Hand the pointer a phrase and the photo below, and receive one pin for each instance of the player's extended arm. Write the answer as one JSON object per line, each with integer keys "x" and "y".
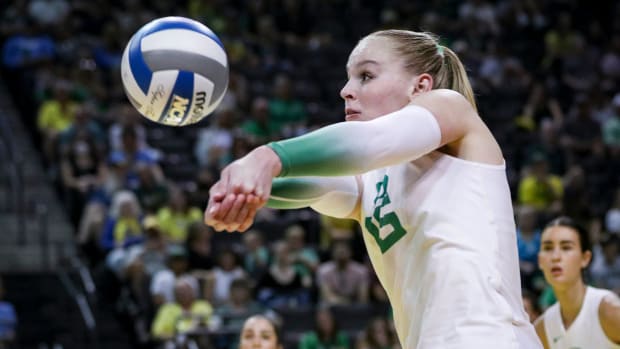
{"x": 355, "y": 147}
{"x": 332, "y": 196}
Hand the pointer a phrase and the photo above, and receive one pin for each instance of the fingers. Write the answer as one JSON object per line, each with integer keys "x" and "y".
{"x": 249, "y": 220}
{"x": 234, "y": 213}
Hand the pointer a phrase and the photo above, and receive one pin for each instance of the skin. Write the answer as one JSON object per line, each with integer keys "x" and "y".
{"x": 378, "y": 84}
{"x": 258, "y": 333}
{"x": 561, "y": 259}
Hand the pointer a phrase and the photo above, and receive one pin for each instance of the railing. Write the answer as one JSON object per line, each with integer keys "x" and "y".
{"x": 15, "y": 202}
{"x": 82, "y": 291}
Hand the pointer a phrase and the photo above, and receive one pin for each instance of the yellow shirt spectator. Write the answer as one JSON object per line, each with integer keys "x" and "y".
{"x": 53, "y": 117}
{"x": 174, "y": 223}
{"x": 540, "y": 193}
{"x": 172, "y": 319}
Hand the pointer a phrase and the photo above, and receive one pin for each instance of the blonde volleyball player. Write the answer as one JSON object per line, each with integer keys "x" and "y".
{"x": 425, "y": 178}
{"x": 584, "y": 317}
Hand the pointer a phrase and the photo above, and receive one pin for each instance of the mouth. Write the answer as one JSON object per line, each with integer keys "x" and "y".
{"x": 351, "y": 114}
{"x": 555, "y": 271}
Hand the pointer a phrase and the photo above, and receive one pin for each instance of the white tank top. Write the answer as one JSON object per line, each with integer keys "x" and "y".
{"x": 440, "y": 233}
{"x": 585, "y": 332}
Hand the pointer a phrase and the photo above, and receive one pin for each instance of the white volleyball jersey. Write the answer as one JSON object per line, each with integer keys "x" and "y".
{"x": 585, "y": 332}
{"x": 441, "y": 236}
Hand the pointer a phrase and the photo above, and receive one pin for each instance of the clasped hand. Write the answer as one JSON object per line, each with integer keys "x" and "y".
{"x": 243, "y": 188}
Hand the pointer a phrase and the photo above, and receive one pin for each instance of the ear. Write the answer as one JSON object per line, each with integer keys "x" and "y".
{"x": 585, "y": 259}
{"x": 422, "y": 83}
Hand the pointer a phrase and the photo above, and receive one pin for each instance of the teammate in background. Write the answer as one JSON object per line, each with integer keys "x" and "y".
{"x": 584, "y": 316}
{"x": 259, "y": 332}
{"x": 418, "y": 168}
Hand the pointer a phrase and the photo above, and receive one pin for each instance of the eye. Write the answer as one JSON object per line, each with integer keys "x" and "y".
{"x": 547, "y": 248}
{"x": 365, "y": 76}
{"x": 567, "y": 248}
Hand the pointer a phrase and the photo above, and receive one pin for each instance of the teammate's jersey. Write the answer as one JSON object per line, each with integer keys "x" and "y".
{"x": 441, "y": 236}
{"x": 585, "y": 332}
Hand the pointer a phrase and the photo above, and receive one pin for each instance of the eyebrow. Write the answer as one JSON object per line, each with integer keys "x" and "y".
{"x": 366, "y": 61}
{"x": 562, "y": 242}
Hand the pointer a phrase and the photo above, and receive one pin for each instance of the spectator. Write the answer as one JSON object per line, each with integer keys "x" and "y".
{"x": 287, "y": 112}
{"x": 49, "y": 13}
{"x": 342, "y": 280}
{"x": 611, "y": 127}
{"x": 8, "y": 321}
{"x": 214, "y": 144}
{"x": 326, "y": 334}
{"x": 239, "y": 307}
{"x": 306, "y": 259}
{"x": 539, "y": 188}
{"x": 83, "y": 174}
{"x": 185, "y": 314}
{"x": 283, "y": 285}
{"x": 256, "y": 255}
{"x": 175, "y": 217}
{"x": 259, "y": 125}
{"x": 227, "y": 269}
{"x": 377, "y": 335}
{"x": 122, "y": 227}
{"x": 126, "y": 117}
{"x": 55, "y": 115}
{"x": 605, "y": 268}
{"x": 580, "y": 131}
{"x": 162, "y": 283}
{"x": 152, "y": 192}
{"x": 125, "y": 161}
{"x": 612, "y": 216}
{"x": 198, "y": 245}
{"x": 548, "y": 144}
{"x": 528, "y": 243}
{"x": 28, "y": 47}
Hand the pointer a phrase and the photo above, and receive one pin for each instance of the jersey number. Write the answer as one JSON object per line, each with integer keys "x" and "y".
{"x": 375, "y": 223}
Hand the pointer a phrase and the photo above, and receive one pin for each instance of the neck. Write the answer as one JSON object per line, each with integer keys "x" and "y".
{"x": 571, "y": 300}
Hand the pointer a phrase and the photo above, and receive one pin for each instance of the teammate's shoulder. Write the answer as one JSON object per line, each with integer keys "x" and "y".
{"x": 609, "y": 316}
{"x": 609, "y": 307}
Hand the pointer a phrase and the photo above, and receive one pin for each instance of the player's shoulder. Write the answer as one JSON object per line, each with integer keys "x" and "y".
{"x": 539, "y": 326}
{"x": 443, "y": 97}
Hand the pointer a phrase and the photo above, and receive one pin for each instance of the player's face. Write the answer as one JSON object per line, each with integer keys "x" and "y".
{"x": 378, "y": 82}
{"x": 258, "y": 333}
{"x": 560, "y": 256}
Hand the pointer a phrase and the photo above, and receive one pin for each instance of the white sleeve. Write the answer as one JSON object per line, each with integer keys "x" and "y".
{"x": 332, "y": 196}
{"x": 355, "y": 147}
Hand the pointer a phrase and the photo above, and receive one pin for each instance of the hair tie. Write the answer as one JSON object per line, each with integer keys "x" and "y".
{"x": 439, "y": 49}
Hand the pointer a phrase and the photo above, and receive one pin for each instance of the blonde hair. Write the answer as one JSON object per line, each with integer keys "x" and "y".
{"x": 423, "y": 54}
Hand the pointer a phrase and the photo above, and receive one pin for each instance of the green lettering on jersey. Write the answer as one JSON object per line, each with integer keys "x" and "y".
{"x": 374, "y": 223}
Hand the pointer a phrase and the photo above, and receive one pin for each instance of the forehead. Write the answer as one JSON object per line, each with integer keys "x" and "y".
{"x": 560, "y": 233}
{"x": 258, "y": 325}
{"x": 372, "y": 48}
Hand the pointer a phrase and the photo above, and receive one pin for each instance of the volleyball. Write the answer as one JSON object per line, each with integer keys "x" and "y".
{"x": 175, "y": 71}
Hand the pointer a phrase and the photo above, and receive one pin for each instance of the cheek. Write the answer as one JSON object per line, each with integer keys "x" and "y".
{"x": 387, "y": 99}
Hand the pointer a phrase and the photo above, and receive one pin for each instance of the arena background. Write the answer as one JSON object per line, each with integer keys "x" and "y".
{"x": 74, "y": 155}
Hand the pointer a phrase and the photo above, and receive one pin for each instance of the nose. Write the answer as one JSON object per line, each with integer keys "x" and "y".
{"x": 555, "y": 254}
{"x": 347, "y": 92}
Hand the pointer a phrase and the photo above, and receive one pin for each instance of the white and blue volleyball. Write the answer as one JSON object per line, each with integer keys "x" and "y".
{"x": 175, "y": 71}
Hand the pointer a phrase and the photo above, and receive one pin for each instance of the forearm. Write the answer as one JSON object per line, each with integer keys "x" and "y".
{"x": 333, "y": 196}
{"x": 355, "y": 147}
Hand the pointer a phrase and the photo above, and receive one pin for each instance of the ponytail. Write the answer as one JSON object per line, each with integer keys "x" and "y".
{"x": 455, "y": 70}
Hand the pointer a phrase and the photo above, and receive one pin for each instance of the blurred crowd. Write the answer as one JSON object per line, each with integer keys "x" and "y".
{"x": 547, "y": 80}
